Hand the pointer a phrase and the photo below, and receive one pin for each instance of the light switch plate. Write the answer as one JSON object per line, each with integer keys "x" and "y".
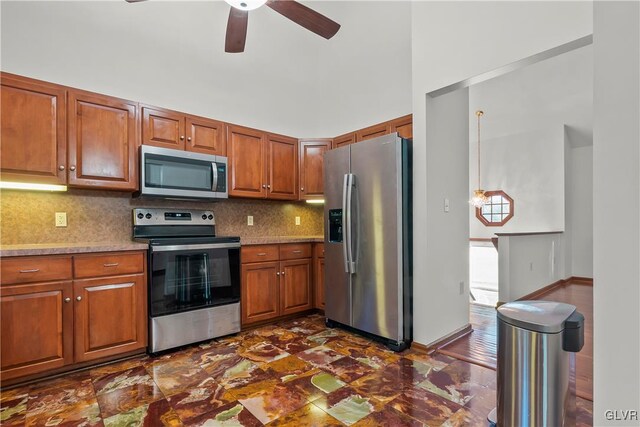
{"x": 61, "y": 219}
{"x": 297, "y": 220}
{"x": 249, "y": 219}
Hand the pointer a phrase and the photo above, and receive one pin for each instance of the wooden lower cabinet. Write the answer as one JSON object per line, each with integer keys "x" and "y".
{"x": 295, "y": 279}
{"x": 260, "y": 291}
{"x": 279, "y": 286}
{"x": 37, "y": 328}
{"x": 110, "y": 316}
{"x": 61, "y": 323}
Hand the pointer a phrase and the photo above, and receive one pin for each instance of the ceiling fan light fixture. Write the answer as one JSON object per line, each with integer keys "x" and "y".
{"x": 246, "y": 4}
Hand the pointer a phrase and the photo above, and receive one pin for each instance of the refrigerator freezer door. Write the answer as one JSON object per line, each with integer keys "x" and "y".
{"x": 377, "y": 237}
{"x": 337, "y": 286}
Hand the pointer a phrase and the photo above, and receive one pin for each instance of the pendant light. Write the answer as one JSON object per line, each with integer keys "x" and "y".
{"x": 479, "y": 198}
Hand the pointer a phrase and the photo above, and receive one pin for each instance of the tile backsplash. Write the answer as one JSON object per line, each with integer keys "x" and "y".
{"x": 105, "y": 216}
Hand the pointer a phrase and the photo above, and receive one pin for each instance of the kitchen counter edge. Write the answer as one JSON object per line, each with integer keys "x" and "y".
{"x": 68, "y": 248}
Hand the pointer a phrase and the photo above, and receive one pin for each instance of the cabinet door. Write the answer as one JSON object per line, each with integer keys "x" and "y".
{"x": 260, "y": 293}
{"x": 110, "y": 316}
{"x": 33, "y": 135}
{"x": 311, "y": 168}
{"x": 206, "y": 136}
{"x": 319, "y": 283}
{"x": 373, "y": 131}
{"x": 343, "y": 140}
{"x": 295, "y": 279}
{"x": 247, "y": 169}
{"x": 403, "y": 125}
{"x": 163, "y": 128}
{"x": 103, "y": 141}
{"x": 37, "y": 328}
{"x": 282, "y": 161}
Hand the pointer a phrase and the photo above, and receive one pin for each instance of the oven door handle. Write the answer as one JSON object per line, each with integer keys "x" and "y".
{"x": 195, "y": 247}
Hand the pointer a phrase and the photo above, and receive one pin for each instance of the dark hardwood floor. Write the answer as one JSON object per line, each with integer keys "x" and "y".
{"x": 480, "y": 346}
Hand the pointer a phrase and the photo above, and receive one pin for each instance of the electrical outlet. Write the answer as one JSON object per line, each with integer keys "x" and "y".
{"x": 297, "y": 220}
{"x": 61, "y": 219}
{"x": 461, "y": 288}
{"x": 249, "y": 219}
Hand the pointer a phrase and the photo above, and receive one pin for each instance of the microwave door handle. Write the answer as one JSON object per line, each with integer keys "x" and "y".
{"x": 214, "y": 177}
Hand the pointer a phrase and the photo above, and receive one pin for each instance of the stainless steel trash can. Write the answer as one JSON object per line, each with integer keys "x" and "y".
{"x": 537, "y": 342}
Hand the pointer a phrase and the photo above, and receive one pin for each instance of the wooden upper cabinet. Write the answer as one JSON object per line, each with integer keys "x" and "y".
{"x": 403, "y": 125}
{"x": 163, "y": 128}
{"x": 110, "y": 316}
{"x": 373, "y": 131}
{"x": 205, "y": 136}
{"x": 103, "y": 141}
{"x": 343, "y": 140}
{"x": 33, "y": 131}
{"x": 40, "y": 337}
{"x": 247, "y": 169}
{"x": 282, "y": 166}
{"x": 312, "y": 167}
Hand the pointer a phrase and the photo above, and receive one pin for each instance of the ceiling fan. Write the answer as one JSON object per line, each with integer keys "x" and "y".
{"x": 297, "y": 12}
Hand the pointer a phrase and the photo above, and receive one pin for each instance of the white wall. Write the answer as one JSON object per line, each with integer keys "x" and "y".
{"x": 616, "y": 177}
{"x": 529, "y": 167}
{"x": 453, "y": 41}
{"x": 171, "y": 54}
{"x": 528, "y": 263}
{"x": 579, "y": 198}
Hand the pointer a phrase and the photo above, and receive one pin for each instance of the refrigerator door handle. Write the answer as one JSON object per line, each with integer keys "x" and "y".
{"x": 349, "y": 229}
{"x": 345, "y": 220}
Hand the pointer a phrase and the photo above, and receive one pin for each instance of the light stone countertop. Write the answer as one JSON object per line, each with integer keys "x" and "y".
{"x": 280, "y": 239}
{"x": 68, "y": 248}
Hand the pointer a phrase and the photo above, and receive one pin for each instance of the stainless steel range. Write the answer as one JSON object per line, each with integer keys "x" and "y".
{"x": 194, "y": 277}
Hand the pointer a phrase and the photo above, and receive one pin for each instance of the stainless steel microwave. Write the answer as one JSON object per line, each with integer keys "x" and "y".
{"x": 177, "y": 174}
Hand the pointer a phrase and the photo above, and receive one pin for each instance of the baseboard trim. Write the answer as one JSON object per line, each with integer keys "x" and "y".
{"x": 441, "y": 342}
{"x": 459, "y": 356}
{"x": 573, "y": 280}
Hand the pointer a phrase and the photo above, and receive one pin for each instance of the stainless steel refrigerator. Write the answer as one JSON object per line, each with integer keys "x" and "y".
{"x": 368, "y": 238}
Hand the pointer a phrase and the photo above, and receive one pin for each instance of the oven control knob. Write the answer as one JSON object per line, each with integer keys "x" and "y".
{"x": 210, "y": 216}
{"x": 204, "y": 216}
{"x": 140, "y": 215}
{"x": 148, "y": 216}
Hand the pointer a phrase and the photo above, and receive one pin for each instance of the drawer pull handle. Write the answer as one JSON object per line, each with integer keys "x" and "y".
{"x": 113, "y": 264}
{"x": 33, "y": 270}
{"x": 262, "y": 254}
{"x": 297, "y": 251}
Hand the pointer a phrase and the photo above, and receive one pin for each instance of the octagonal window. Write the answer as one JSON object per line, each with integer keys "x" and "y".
{"x": 497, "y": 211}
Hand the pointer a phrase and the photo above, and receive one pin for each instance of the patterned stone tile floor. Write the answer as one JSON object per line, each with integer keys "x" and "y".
{"x": 295, "y": 373}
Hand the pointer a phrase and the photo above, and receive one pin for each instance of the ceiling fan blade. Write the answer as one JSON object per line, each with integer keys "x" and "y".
{"x": 134, "y": 1}
{"x": 236, "y": 30}
{"x": 306, "y": 17}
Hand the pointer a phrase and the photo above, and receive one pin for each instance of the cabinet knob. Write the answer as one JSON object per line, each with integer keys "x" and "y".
{"x": 67, "y": 299}
{"x": 61, "y": 167}
{"x": 181, "y": 137}
{"x": 277, "y": 273}
{"x": 283, "y": 273}
{"x": 301, "y": 188}
{"x": 264, "y": 185}
{"x": 72, "y": 168}
{"x": 268, "y": 185}
{"x": 188, "y": 138}
{"x": 78, "y": 298}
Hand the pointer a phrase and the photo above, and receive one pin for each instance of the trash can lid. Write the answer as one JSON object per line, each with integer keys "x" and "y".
{"x": 538, "y": 316}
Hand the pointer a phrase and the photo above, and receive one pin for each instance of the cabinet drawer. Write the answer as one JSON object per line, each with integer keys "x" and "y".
{"x": 34, "y": 269}
{"x": 318, "y": 250}
{"x": 295, "y": 251}
{"x": 108, "y": 264}
{"x": 259, "y": 253}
